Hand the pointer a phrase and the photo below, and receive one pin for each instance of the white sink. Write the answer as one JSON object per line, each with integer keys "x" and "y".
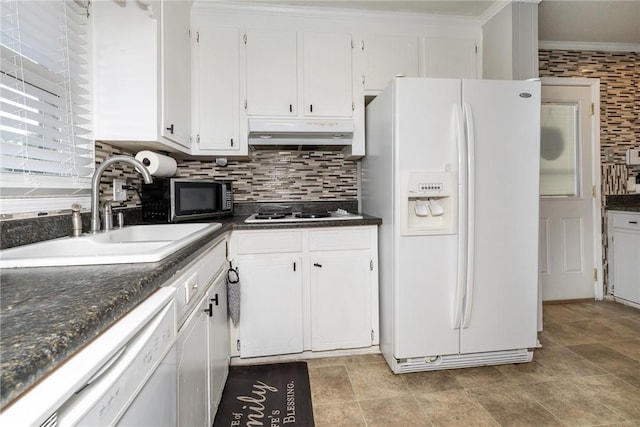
{"x": 132, "y": 244}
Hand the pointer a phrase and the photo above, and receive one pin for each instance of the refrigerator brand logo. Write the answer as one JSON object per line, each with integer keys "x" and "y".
{"x": 525, "y": 95}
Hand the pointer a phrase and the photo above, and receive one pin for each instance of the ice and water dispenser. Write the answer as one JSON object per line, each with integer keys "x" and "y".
{"x": 428, "y": 203}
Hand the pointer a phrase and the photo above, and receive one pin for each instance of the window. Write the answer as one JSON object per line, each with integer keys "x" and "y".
{"x": 559, "y": 149}
{"x": 46, "y": 150}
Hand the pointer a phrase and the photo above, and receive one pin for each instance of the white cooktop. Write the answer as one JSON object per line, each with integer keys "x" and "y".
{"x": 337, "y": 215}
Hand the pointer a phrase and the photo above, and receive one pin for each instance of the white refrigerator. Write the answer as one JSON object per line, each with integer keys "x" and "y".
{"x": 452, "y": 168}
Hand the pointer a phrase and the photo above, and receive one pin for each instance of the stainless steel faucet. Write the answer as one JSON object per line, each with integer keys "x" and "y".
{"x": 95, "y": 184}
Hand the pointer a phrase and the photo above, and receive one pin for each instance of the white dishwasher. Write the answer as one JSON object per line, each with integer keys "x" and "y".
{"x": 137, "y": 386}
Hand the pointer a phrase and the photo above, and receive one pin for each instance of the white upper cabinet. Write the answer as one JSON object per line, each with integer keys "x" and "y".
{"x": 286, "y": 78}
{"x": 272, "y": 72}
{"x": 141, "y": 74}
{"x": 386, "y": 56}
{"x": 176, "y": 75}
{"x": 327, "y": 74}
{"x": 451, "y": 57}
{"x": 216, "y": 97}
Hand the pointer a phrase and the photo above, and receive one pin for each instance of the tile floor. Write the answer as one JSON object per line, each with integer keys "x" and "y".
{"x": 587, "y": 373}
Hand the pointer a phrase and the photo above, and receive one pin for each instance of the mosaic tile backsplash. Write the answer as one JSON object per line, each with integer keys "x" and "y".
{"x": 266, "y": 176}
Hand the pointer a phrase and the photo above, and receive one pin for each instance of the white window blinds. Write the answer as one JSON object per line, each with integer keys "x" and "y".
{"x": 47, "y": 152}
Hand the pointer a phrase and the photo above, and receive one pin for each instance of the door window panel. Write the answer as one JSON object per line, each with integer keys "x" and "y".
{"x": 559, "y": 149}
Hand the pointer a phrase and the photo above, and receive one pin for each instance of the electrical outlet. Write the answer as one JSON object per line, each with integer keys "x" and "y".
{"x": 608, "y": 155}
{"x": 119, "y": 193}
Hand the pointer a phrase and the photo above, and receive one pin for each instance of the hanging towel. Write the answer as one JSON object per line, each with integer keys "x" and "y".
{"x": 233, "y": 293}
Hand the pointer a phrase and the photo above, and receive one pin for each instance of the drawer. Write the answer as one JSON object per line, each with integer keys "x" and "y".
{"x": 340, "y": 239}
{"x": 625, "y": 220}
{"x": 266, "y": 242}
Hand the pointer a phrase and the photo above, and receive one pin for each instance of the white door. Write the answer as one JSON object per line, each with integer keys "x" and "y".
{"x": 271, "y": 306}
{"x": 502, "y": 278}
{"x": 567, "y": 191}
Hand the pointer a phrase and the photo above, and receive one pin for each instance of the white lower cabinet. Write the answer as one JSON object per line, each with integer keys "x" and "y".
{"x": 218, "y": 343}
{"x": 624, "y": 253}
{"x": 192, "y": 369}
{"x": 306, "y": 290}
{"x": 203, "y": 339}
{"x": 271, "y": 305}
{"x": 340, "y": 301}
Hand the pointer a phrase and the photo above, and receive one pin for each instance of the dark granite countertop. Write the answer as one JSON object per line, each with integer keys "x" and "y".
{"x": 49, "y": 313}
{"x": 625, "y": 202}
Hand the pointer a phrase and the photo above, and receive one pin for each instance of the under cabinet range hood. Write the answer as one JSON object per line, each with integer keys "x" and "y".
{"x": 304, "y": 133}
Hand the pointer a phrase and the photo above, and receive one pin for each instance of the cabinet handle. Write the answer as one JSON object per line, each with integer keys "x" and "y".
{"x": 232, "y": 142}
{"x": 311, "y": 108}
{"x": 294, "y": 266}
{"x": 170, "y": 129}
{"x": 215, "y": 299}
{"x": 633, "y": 222}
{"x": 315, "y": 264}
{"x": 291, "y": 108}
{"x": 209, "y": 310}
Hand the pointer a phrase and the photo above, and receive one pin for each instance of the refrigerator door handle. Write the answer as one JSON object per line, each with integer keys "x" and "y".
{"x": 468, "y": 120}
{"x": 462, "y": 217}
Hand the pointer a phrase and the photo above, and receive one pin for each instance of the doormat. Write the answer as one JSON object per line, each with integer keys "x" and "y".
{"x": 274, "y": 395}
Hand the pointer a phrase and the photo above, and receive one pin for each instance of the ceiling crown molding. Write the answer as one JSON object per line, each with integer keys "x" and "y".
{"x": 593, "y": 46}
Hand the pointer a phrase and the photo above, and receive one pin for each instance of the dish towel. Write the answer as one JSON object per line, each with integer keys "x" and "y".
{"x": 233, "y": 293}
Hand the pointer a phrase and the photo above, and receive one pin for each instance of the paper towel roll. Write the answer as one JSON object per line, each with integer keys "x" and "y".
{"x": 157, "y": 164}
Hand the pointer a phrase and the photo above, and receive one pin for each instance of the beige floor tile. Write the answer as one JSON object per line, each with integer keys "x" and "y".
{"x": 485, "y": 376}
{"x": 376, "y": 381}
{"x": 631, "y": 378}
{"x": 559, "y": 313}
{"x": 341, "y": 414}
{"x": 455, "y": 408}
{"x": 570, "y": 333}
{"x": 393, "y": 412}
{"x": 330, "y": 384}
{"x": 605, "y": 330}
{"x": 570, "y": 403}
{"x": 420, "y": 383}
{"x": 630, "y": 348}
{"x": 565, "y": 363}
{"x": 613, "y": 392}
{"x": 532, "y": 372}
{"x": 606, "y": 358}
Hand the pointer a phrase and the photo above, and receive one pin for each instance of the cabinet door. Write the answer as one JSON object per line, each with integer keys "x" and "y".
{"x": 340, "y": 301}
{"x": 176, "y": 71}
{"x": 449, "y": 57}
{"x": 626, "y": 269}
{"x": 270, "y": 306}
{"x": 192, "y": 369}
{"x": 217, "y": 89}
{"x": 327, "y": 77}
{"x": 271, "y": 72}
{"x": 218, "y": 342}
{"x": 386, "y": 56}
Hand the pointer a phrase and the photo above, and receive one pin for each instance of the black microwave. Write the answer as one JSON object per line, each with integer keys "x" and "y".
{"x": 178, "y": 199}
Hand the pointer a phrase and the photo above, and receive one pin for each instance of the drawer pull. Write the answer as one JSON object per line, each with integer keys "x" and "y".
{"x": 633, "y": 222}
{"x": 315, "y": 264}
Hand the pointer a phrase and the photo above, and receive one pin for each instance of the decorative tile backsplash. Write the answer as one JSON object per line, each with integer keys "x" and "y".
{"x": 266, "y": 176}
